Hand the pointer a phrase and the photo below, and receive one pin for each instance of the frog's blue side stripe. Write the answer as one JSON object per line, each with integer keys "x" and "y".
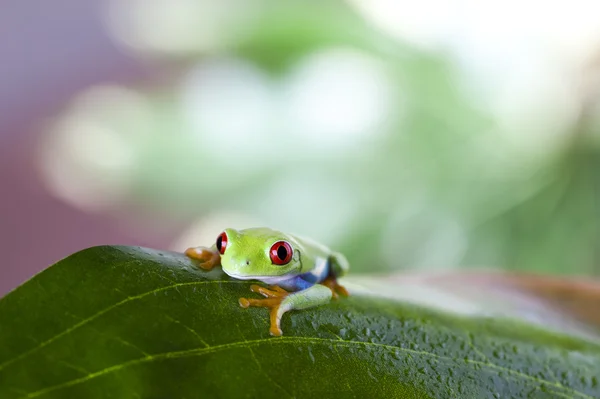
{"x": 318, "y": 274}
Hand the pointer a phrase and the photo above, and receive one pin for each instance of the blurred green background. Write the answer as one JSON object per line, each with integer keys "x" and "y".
{"x": 408, "y": 136}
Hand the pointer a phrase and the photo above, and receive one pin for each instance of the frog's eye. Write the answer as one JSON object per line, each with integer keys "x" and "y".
{"x": 222, "y": 242}
{"x": 281, "y": 253}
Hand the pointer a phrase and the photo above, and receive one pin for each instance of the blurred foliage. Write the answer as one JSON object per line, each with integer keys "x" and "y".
{"x": 311, "y": 120}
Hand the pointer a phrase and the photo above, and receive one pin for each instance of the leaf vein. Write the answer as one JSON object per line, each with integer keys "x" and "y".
{"x": 189, "y": 329}
{"x": 74, "y": 367}
{"x": 296, "y": 340}
{"x": 108, "y": 309}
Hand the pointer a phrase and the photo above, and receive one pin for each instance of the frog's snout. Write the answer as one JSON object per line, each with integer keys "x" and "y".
{"x": 247, "y": 262}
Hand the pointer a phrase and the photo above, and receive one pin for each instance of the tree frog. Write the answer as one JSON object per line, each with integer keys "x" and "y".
{"x": 300, "y": 272}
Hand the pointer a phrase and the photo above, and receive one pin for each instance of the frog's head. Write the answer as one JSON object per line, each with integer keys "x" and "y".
{"x": 258, "y": 252}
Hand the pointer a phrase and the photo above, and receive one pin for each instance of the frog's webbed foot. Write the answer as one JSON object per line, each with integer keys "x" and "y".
{"x": 274, "y": 291}
{"x": 336, "y": 289}
{"x": 274, "y": 297}
{"x": 208, "y": 258}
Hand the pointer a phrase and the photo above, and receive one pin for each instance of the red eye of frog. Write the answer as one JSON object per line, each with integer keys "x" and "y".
{"x": 281, "y": 253}
{"x": 222, "y": 242}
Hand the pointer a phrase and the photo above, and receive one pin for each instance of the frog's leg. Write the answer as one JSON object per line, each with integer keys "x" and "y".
{"x": 208, "y": 257}
{"x": 280, "y": 301}
{"x": 339, "y": 267}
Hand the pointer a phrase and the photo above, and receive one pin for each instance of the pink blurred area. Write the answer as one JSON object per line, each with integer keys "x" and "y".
{"x": 48, "y": 52}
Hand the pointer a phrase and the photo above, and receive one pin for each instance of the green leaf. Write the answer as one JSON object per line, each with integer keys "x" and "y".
{"x": 567, "y": 305}
{"x": 128, "y": 322}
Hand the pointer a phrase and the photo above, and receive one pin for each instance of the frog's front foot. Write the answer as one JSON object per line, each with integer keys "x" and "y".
{"x": 207, "y": 257}
{"x": 335, "y": 287}
{"x": 274, "y": 297}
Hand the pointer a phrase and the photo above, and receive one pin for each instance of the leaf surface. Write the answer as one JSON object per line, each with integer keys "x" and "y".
{"x": 564, "y": 304}
{"x": 133, "y": 322}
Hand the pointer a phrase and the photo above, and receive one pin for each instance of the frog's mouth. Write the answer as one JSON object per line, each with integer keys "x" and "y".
{"x": 266, "y": 279}
{"x": 240, "y": 276}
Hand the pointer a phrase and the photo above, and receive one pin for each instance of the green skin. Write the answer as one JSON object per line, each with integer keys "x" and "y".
{"x": 247, "y": 257}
